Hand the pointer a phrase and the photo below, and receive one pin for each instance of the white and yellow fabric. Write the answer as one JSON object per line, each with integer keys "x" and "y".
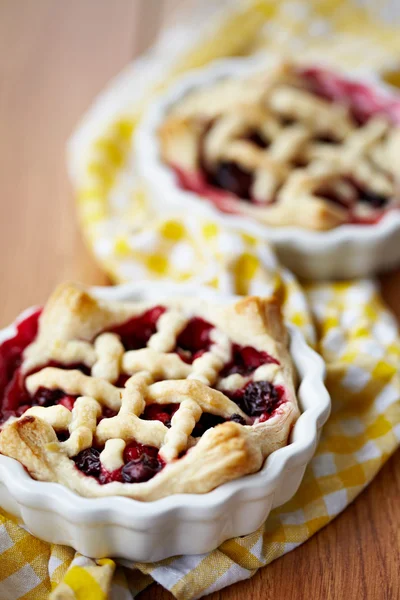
{"x": 348, "y": 322}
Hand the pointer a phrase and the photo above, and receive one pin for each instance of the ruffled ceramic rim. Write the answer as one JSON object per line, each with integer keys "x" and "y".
{"x": 157, "y": 173}
{"x": 125, "y": 511}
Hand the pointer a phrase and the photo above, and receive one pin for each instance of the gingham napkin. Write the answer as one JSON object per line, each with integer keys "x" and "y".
{"x": 348, "y": 322}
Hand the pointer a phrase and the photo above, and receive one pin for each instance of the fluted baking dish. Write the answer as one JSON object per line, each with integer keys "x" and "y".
{"x": 178, "y": 524}
{"x": 343, "y": 252}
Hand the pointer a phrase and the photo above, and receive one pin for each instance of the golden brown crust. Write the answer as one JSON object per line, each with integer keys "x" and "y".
{"x": 71, "y": 327}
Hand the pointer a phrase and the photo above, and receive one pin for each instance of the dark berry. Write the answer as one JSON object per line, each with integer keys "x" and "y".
{"x": 232, "y": 178}
{"x": 373, "y": 199}
{"x": 326, "y": 138}
{"x": 206, "y": 421}
{"x": 141, "y": 469}
{"x": 122, "y": 379}
{"x": 69, "y": 367}
{"x": 88, "y": 461}
{"x": 237, "y": 419}
{"x": 257, "y": 139}
{"x": 45, "y": 397}
{"x": 260, "y": 397}
{"x": 329, "y": 193}
{"x": 62, "y": 436}
{"x": 287, "y": 121}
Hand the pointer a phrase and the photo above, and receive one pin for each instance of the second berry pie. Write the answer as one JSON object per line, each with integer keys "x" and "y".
{"x": 291, "y": 146}
{"x": 146, "y": 400}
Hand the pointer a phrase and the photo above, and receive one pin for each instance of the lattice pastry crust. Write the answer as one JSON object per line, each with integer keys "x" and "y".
{"x": 299, "y": 149}
{"x": 76, "y": 328}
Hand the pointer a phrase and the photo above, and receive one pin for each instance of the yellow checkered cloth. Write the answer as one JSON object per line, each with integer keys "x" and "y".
{"x": 347, "y": 321}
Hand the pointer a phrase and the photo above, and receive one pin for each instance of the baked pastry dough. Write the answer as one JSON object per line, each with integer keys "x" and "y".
{"x": 146, "y": 401}
{"x": 293, "y": 146}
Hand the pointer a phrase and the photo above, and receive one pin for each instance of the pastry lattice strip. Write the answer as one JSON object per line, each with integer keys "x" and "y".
{"x": 193, "y": 397}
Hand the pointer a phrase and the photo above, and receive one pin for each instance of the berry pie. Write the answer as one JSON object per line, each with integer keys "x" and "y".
{"x": 292, "y": 147}
{"x": 146, "y": 399}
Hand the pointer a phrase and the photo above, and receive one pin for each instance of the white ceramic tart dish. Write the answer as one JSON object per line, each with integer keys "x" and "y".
{"x": 126, "y": 458}
{"x": 300, "y": 156}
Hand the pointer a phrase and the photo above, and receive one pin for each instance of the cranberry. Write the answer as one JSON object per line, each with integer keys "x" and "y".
{"x": 260, "y": 397}
{"x": 141, "y": 469}
{"x": 194, "y": 340}
{"x": 136, "y": 332}
{"x": 88, "y": 461}
{"x": 110, "y": 476}
{"x": 163, "y": 413}
{"x": 232, "y": 178}
{"x": 245, "y": 360}
{"x": 68, "y": 401}
{"x": 135, "y": 450}
{"x": 132, "y": 452}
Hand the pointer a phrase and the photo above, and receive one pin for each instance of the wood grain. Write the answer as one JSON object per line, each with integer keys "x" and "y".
{"x": 55, "y": 57}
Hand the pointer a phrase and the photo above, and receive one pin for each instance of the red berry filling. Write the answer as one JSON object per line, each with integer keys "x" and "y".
{"x": 259, "y": 398}
{"x": 194, "y": 340}
{"x": 245, "y": 360}
{"x": 160, "y": 412}
{"x": 141, "y": 462}
{"x": 135, "y": 450}
{"x": 15, "y": 398}
{"x": 12, "y": 388}
{"x": 11, "y": 350}
{"x": 136, "y": 332}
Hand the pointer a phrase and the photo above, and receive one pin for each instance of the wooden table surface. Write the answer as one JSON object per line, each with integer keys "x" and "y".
{"x": 55, "y": 56}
